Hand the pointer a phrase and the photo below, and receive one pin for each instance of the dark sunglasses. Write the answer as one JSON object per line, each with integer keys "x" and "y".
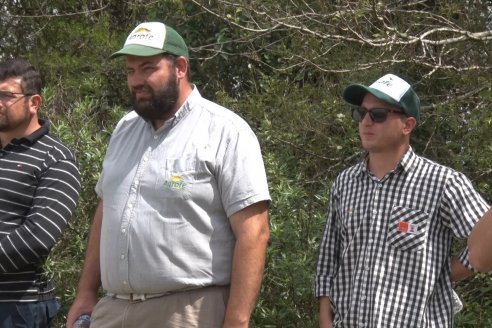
{"x": 377, "y": 115}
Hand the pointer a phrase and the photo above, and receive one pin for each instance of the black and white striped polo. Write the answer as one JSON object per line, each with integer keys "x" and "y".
{"x": 39, "y": 190}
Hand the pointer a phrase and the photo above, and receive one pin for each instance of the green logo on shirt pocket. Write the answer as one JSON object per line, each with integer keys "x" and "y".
{"x": 175, "y": 182}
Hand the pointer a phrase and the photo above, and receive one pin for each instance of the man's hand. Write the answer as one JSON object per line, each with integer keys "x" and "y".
{"x": 325, "y": 313}
{"x": 83, "y": 304}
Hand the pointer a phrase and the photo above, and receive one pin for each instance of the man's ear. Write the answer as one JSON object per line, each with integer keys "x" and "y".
{"x": 410, "y": 124}
{"x": 181, "y": 67}
{"x": 34, "y": 103}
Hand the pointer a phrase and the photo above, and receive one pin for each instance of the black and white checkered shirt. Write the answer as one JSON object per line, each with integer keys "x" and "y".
{"x": 385, "y": 255}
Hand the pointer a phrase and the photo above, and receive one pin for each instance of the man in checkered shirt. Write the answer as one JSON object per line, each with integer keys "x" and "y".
{"x": 385, "y": 254}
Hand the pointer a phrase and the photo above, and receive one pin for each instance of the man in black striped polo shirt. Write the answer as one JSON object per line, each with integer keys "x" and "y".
{"x": 39, "y": 189}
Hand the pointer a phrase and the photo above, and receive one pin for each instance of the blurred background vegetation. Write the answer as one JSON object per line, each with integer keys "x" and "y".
{"x": 282, "y": 66}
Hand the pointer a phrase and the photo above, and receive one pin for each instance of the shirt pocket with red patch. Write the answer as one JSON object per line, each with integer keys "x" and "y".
{"x": 407, "y": 229}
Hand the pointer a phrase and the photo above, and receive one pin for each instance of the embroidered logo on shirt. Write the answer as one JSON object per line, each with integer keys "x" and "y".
{"x": 407, "y": 227}
{"x": 175, "y": 183}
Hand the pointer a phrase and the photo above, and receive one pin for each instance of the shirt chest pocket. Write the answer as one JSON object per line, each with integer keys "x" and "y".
{"x": 176, "y": 178}
{"x": 407, "y": 229}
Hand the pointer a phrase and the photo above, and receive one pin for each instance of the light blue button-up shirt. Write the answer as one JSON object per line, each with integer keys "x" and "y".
{"x": 168, "y": 195}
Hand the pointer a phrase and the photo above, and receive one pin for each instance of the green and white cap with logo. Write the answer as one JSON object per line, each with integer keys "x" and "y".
{"x": 390, "y": 89}
{"x": 153, "y": 38}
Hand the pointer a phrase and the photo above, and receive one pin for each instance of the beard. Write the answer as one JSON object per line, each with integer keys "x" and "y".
{"x": 9, "y": 123}
{"x": 162, "y": 102}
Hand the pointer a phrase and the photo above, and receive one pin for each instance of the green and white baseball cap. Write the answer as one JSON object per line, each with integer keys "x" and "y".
{"x": 390, "y": 89}
{"x": 153, "y": 38}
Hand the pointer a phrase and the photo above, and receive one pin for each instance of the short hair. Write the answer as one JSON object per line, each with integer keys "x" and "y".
{"x": 20, "y": 68}
{"x": 172, "y": 59}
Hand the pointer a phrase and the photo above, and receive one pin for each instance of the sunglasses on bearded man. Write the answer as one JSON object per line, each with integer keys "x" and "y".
{"x": 377, "y": 115}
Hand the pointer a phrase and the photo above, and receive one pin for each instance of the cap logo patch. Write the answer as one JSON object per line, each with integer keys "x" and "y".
{"x": 386, "y": 83}
{"x": 148, "y": 34}
{"x": 140, "y": 35}
{"x": 391, "y": 85}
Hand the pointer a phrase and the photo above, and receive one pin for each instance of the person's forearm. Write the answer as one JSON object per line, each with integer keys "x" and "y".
{"x": 325, "y": 313}
{"x": 41, "y": 227}
{"x": 459, "y": 271}
{"x": 90, "y": 278}
{"x": 480, "y": 244}
{"x": 247, "y": 270}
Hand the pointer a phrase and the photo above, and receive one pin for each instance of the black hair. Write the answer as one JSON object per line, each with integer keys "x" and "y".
{"x": 172, "y": 58}
{"x": 19, "y": 68}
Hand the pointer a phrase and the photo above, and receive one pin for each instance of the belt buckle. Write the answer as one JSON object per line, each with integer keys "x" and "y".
{"x": 137, "y": 297}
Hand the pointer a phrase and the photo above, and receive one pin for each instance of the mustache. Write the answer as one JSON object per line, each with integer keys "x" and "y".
{"x": 134, "y": 90}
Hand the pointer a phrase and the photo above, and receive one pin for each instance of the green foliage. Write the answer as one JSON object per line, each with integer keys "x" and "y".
{"x": 296, "y": 226}
{"x": 477, "y": 306}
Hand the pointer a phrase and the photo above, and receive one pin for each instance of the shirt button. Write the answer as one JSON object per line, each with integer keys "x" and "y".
{"x": 155, "y": 137}
{"x": 122, "y": 257}
{"x": 123, "y": 230}
{"x": 124, "y": 282}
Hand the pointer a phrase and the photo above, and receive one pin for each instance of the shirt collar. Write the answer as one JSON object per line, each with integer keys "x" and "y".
{"x": 407, "y": 163}
{"x": 35, "y": 136}
{"x": 187, "y": 106}
{"x": 182, "y": 112}
{"x": 409, "y": 160}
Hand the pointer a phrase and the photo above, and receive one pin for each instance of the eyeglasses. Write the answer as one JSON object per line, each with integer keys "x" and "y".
{"x": 6, "y": 96}
{"x": 377, "y": 115}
